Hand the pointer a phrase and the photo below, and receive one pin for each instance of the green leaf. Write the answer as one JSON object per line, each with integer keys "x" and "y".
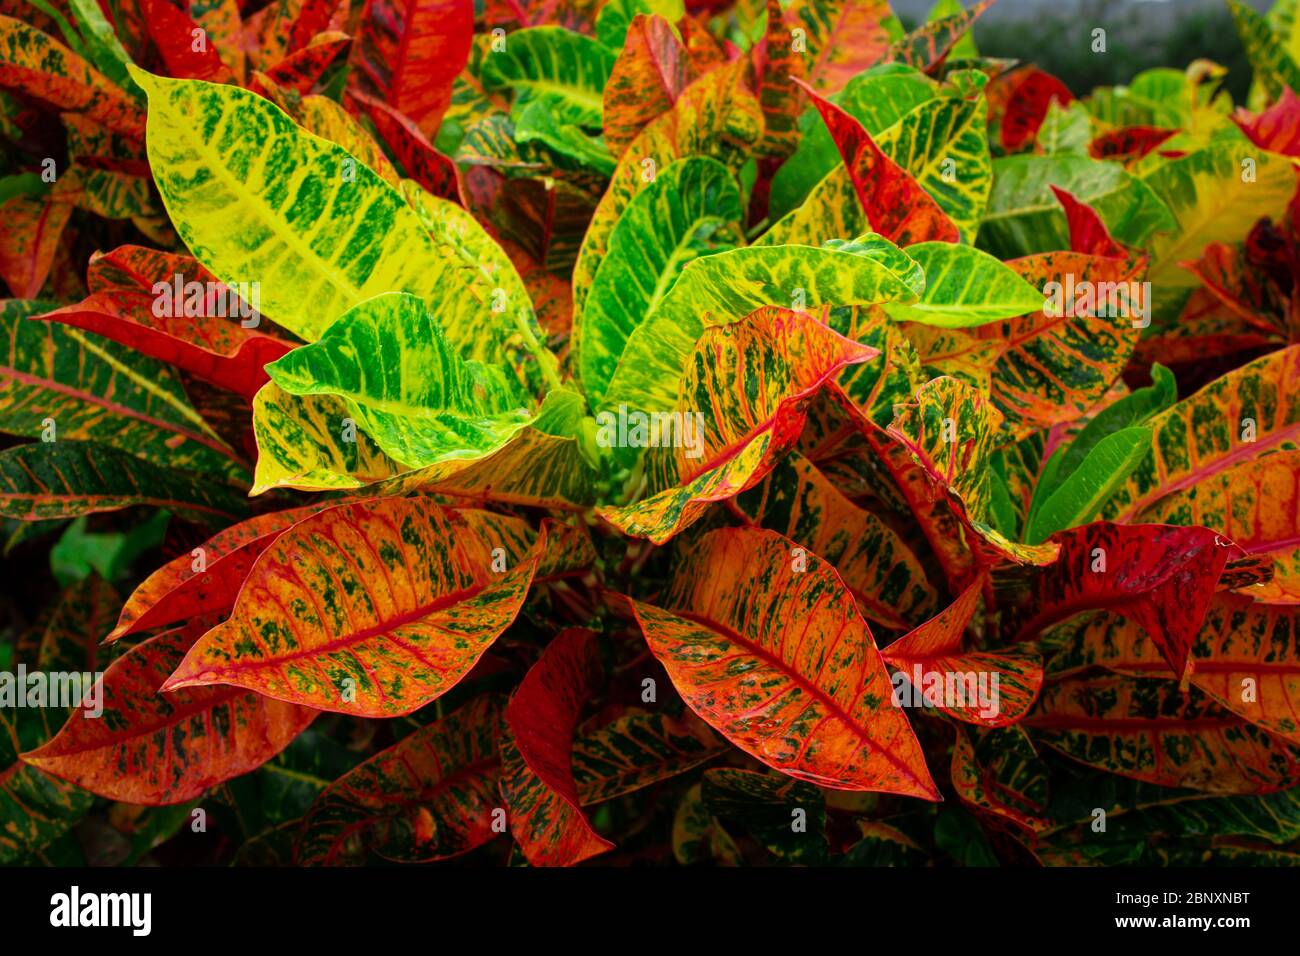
{"x": 965, "y": 287}
{"x": 565, "y": 68}
{"x": 944, "y": 144}
{"x": 390, "y": 362}
{"x": 693, "y": 208}
{"x": 1130, "y": 411}
{"x": 722, "y": 288}
{"x": 1078, "y": 498}
{"x": 1024, "y": 216}
{"x": 616, "y": 16}
{"x": 259, "y": 199}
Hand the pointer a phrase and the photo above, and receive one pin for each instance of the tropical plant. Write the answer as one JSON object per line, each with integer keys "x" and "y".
{"x": 711, "y": 433}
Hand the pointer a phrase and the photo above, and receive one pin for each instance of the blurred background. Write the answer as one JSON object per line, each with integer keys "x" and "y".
{"x": 1057, "y": 35}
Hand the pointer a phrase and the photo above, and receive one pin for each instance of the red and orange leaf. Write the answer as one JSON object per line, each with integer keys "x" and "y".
{"x": 1148, "y": 730}
{"x": 749, "y": 382}
{"x": 431, "y": 796}
{"x": 537, "y": 753}
{"x": 159, "y": 748}
{"x": 408, "y": 52}
{"x": 1001, "y": 777}
{"x": 1021, "y": 99}
{"x": 1128, "y": 143}
{"x": 1246, "y": 413}
{"x": 123, "y": 306}
{"x": 41, "y": 67}
{"x": 776, "y": 66}
{"x": 30, "y": 241}
{"x": 843, "y": 38}
{"x": 1008, "y": 680}
{"x": 1054, "y": 368}
{"x": 897, "y": 206}
{"x": 207, "y": 579}
{"x": 767, "y": 645}
{"x": 638, "y": 749}
{"x": 1247, "y": 657}
{"x": 1162, "y": 576}
{"x": 649, "y": 75}
{"x": 886, "y": 578}
{"x": 371, "y": 609}
{"x": 303, "y": 68}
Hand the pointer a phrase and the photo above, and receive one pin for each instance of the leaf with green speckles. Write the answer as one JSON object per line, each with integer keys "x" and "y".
{"x": 1242, "y": 646}
{"x": 773, "y": 653}
{"x": 991, "y": 688}
{"x": 370, "y": 609}
{"x": 259, "y": 199}
{"x": 693, "y": 208}
{"x": 94, "y": 389}
{"x": 740, "y": 404}
{"x": 964, "y": 287}
{"x": 154, "y": 749}
{"x": 1150, "y": 731}
{"x": 431, "y": 796}
{"x": 536, "y": 753}
{"x": 390, "y": 362}
{"x": 727, "y": 286}
{"x": 880, "y": 569}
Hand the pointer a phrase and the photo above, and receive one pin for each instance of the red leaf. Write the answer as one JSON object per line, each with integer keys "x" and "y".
{"x": 895, "y": 203}
{"x": 32, "y": 229}
{"x": 180, "y": 589}
{"x": 1027, "y": 95}
{"x": 123, "y": 307}
{"x": 301, "y": 69}
{"x": 430, "y": 796}
{"x": 154, "y": 748}
{"x": 419, "y": 159}
{"x": 1161, "y": 576}
{"x": 172, "y": 32}
{"x": 1276, "y": 129}
{"x": 408, "y": 52}
{"x": 1088, "y": 234}
{"x": 537, "y": 754}
{"x": 1128, "y": 142}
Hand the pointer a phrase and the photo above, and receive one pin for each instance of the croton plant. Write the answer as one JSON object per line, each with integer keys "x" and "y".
{"x": 642, "y": 432}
